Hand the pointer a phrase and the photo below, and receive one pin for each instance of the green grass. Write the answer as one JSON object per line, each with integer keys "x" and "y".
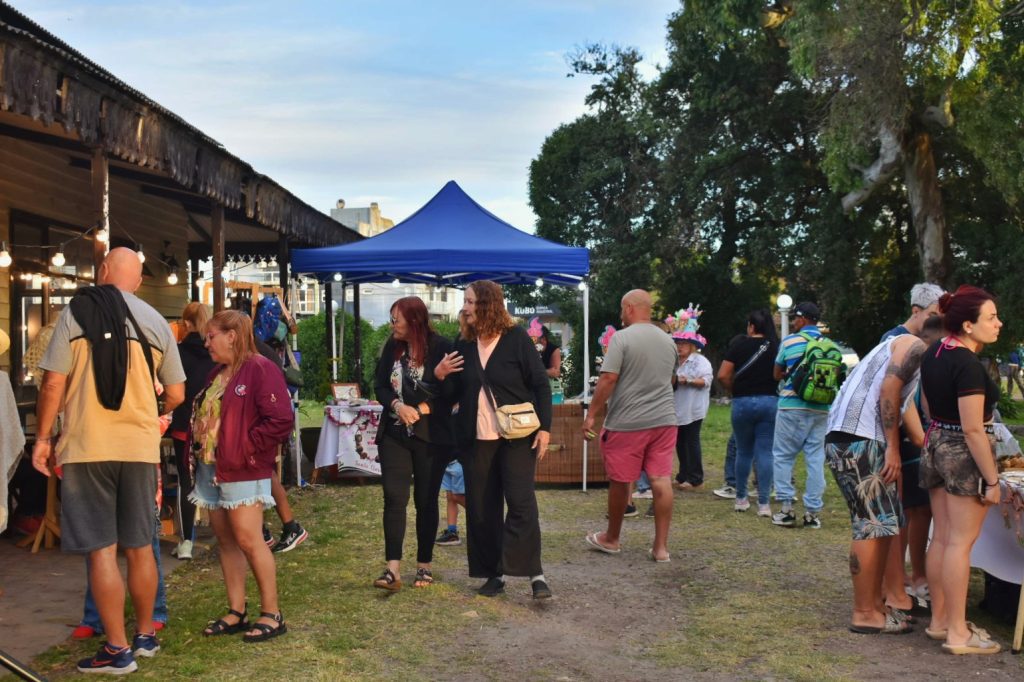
{"x": 753, "y": 600}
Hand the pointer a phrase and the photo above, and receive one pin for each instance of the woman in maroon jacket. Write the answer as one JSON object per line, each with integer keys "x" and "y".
{"x": 238, "y": 421}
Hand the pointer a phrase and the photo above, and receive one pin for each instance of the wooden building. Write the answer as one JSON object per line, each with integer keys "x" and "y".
{"x": 85, "y": 158}
{"x": 84, "y": 154}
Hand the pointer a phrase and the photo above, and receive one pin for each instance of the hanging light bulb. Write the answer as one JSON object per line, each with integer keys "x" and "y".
{"x": 58, "y": 259}
{"x": 395, "y": 283}
{"x": 142, "y": 256}
{"x": 5, "y": 257}
{"x": 272, "y": 263}
{"x": 304, "y": 286}
{"x": 102, "y": 235}
{"x": 172, "y": 277}
{"x": 539, "y": 282}
{"x": 337, "y": 277}
{"x": 582, "y": 286}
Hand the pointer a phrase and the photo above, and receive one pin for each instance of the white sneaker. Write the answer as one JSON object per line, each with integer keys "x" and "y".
{"x": 764, "y": 510}
{"x": 741, "y": 505}
{"x": 643, "y": 494}
{"x": 726, "y": 492}
{"x": 184, "y": 550}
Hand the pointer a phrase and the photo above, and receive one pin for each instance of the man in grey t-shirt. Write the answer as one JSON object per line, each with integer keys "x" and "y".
{"x": 639, "y": 431}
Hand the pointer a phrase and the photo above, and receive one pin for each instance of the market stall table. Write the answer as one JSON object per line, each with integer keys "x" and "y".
{"x": 999, "y": 550}
{"x": 346, "y": 438}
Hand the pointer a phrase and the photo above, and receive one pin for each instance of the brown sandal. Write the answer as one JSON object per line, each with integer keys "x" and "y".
{"x": 388, "y": 581}
{"x": 424, "y": 578}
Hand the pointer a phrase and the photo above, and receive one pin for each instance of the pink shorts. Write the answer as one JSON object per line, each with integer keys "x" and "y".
{"x": 627, "y": 453}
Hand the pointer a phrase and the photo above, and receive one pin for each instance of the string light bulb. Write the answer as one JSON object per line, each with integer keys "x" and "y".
{"x": 337, "y": 277}
{"x": 582, "y": 286}
{"x": 539, "y": 282}
{"x": 5, "y": 257}
{"x": 102, "y": 235}
{"x": 58, "y": 259}
{"x": 142, "y": 256}
{"x": 395, "y": 283}
{"x": 172, "y": 277}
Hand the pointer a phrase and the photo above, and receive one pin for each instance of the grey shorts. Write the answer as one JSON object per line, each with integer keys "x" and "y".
{"x": 107, "y": 503}
{"x": 946, "y": 462}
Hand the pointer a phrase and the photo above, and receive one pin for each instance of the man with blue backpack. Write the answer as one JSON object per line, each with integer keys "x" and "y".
{"x": 811, "y": 369}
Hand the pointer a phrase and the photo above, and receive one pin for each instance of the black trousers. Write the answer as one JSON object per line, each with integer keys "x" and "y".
{"x": 406, "y": 461}
{"x": 186, "y": 510}
{"x": 500, "y": 473}
{"x": 691, "y": 464}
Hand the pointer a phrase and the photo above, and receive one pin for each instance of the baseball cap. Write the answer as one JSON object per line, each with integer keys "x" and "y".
{"x": 807, "y": 311}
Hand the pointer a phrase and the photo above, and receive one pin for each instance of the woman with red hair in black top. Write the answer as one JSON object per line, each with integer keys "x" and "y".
{"x": 415, "y": 433}
{"x": 958, "y": 465}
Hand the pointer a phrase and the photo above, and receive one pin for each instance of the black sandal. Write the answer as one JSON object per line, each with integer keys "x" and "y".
{"x": 388, "y": 581}
{"x": 266, "y": 632}
{"x": 424, "y": 578}
{"x": 222, "y": 627}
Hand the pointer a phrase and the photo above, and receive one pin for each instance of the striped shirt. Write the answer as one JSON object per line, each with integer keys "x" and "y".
{"x": 857, "y": 409}
{"x": 791, "y": 351}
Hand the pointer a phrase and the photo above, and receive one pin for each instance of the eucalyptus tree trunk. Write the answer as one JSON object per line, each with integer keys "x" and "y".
{"x": 928, "y": 212}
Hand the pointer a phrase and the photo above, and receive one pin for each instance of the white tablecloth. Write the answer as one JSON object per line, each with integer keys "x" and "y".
{"x": 998, "y": 550}
{"x": 346, "y": 439}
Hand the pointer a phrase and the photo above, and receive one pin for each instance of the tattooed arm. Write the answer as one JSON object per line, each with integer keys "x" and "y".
{"x": 903, "y": 366}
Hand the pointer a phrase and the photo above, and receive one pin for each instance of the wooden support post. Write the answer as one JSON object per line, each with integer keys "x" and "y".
{"x": 282, "y": 267}
{"x": 217, "y": 230}
{"x": 100, "y": 206}
{"x": 193, "y": 266}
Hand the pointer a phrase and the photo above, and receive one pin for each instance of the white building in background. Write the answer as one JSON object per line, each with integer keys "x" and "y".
{"x": 375, "y": 299}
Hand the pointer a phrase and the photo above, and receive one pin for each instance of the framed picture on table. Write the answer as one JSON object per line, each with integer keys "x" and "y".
{"x": 345, "y": 391}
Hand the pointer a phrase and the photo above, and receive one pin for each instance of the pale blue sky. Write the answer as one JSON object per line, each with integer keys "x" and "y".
{"x": 366, "y": 101}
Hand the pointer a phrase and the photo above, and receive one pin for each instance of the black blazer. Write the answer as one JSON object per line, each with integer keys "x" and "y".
{"x": 439, "y": 421}
{"x": 515, "y": 374}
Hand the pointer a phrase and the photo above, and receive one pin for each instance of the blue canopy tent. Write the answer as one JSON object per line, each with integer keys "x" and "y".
{"x": 450, "y": 241}
{"x": 454, "y": 241}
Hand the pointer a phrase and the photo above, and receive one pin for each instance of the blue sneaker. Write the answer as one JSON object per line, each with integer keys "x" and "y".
{"x": 110, "y": 661}
{"x": 145, "y": 645}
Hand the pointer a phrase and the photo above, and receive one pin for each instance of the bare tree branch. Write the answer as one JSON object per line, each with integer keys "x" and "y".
{"x": 890, "y": 156}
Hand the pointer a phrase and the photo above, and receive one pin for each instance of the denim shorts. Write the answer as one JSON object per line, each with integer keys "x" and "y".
{"x": 453, "y": 480}
{"x": 228, "y": 495}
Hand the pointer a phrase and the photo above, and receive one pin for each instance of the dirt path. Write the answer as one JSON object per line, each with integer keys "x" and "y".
{"x": 776, "y": 610}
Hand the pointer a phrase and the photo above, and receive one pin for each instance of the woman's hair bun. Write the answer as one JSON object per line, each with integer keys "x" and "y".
{"x": 944, "y": 302}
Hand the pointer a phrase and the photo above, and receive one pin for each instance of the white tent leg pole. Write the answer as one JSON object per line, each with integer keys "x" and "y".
{"x": 586, "y": 373}
{"x": 339, "y": 335}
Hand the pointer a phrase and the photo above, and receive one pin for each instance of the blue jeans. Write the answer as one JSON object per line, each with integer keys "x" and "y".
{"x": 797, "y": 430}
{"x": 91, "y": 617}
{"x": 753, "y": 427}
{"x": 729, "y": 470}
{"x": 643, "y": 484}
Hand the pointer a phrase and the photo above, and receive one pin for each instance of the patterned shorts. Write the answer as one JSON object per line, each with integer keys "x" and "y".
{"x": 946, "y": 462}
{"x": 875, "y": 508}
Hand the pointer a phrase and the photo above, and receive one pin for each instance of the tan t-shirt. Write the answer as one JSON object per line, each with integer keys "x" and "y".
{"x": 91, "y": 432}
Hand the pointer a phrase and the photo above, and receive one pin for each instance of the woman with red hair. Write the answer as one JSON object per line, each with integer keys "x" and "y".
{"x": 415, "y": 433}
{"x": 958, "y": 464}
